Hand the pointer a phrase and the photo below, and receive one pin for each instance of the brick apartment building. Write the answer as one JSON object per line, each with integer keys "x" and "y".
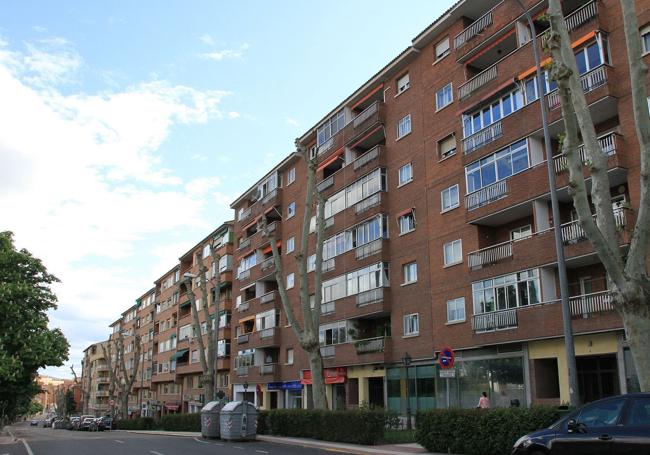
{"x": 94, "y": 381}
{"x": 439, "y": 225}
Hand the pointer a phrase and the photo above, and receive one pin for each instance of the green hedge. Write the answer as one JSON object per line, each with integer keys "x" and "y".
{"x": 181, "y": 422}
{"x": 140, "y": 423}
{"x": 356, "y": 427}
{"x": 480, "y": 431}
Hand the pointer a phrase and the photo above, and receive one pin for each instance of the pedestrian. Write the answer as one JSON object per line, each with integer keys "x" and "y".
{"x": 483, "y": 402}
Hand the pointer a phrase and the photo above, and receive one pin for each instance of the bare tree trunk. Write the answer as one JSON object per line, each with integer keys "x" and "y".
{"x": 627, "y": 278}
{"x": 308, "y": 334}
{"x": 112, "y": 370}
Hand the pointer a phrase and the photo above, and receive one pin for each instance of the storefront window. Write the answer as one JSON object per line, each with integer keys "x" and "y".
{"x": 631, "y": 378}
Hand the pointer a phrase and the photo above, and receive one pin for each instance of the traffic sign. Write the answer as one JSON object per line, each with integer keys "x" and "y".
{"x": 447, "y": 358}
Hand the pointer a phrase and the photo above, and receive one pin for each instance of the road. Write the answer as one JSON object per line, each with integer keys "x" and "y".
{"x": 46, "y": 441}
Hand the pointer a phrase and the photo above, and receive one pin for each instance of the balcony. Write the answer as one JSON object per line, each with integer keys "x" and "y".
{"x": 589, "y": 81}
{"x": 489, "y": 255}
{"x": 101, "y": 393}
{"x": 325, "y": 184}
{"x": 241, "y": 371}
{"x": 573, "y": 233}
{"x": 328, "y": 351}
{"x": 577, "y": 18}
{"x": 483, "y": 137}
{"x": 267, "y": 333}
{"x": 486, "y": 195}
{"x": 267, "y": 264}
{"x": 243, "y": 339}
{"x": 267, "y": 369}
{"x": 267, "y": 298}
{"x": 370, "y": 345}
{"x": 607, "y": 144}
{"x": 244, "y": 275}
{"x": 590, "y": 304}
{"x": 367, "y": 158}
{"x": 244, "y": 243}
{"x": 367, "y": 250}
{"x": 473, "y": 30}
{"x": 367, "y": 203}
{"x": 266, "y": 338}
{"x": 270, "y": 196}
{"x": 496, "y": 320}
{"x": 478, "y": 81}
{"x": 370, "y": 297}
{"x": 245, "y": 214}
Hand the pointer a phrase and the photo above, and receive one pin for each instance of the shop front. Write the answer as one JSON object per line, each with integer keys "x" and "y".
{"x": 284, "y": 395}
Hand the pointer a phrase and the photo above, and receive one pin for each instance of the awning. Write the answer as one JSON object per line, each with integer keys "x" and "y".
{"x": 268, "y": 249}
{"x": 335, "y": 156}
{"x": 246, "y": 319}
{"x": 404, "y": 212}
{"x": 331, "y": 375}
{"x": 252, "y": 223}
{"x": 172, "y": 406}
{"x": 366, "y": 136}
{"x": 178, "y": 354}
{"x": 184, "y": 304}
{"x": 374, "y": 90}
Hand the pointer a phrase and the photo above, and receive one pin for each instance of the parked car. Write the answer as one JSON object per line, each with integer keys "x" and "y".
{"x": 85, "y": 421}
{"x": 74, "y": 423}
{"x": 613, "y": 426}
{"x": 34, "y": 423}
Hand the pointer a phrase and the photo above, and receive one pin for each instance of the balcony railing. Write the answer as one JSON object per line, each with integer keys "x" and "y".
{"x": 370, "y": 345}
{"x": 368, "y": 203}
{"x": 486, "y": 195}
{"x": 584, "y": 305}
{"x": 489, "y": 255}
{"x": 268, "y": 297}
{"x": 267, "y": 333}
{"x": 242, "y": 371}
{"x": 267, "y": 264}
{"x": 478, "y": 81}
{"x": 607, "y": 144}
{"x": 244, "y": 214}
{"x": 496, "y": 320}
{"x": 364, "y": 251}
{"x": 589, "y": 81}
{"x": 328, "y": 351}
{"x": 270, "y": 195}
{"x": 325, "y": 184}
{"x": 328, "y": 265}
{"x": 244, "y": 306}
{"x": 365, "y": 115}
{"x": 482, "y": 137}
{"x": 267, "y": 369}
{"x": 366, "y": 158}
{"x": 577, "y": 18}
{"x": 329, "y": 222}
{"x": 244, "y": 275}
{"x": 572, "y": 232}
{"x": 370, "y": 297}
{"x": 244, "y": 243}
{"x": 473, "y": 30}
{"x": 325, "y": 146}
{"x": 328, "y": 308}
{"x": 243, "y": 339}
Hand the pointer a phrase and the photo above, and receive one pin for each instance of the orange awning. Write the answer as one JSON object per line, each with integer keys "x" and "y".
{"x": 250, "y": 225}
{"x": 404, "y": 212}
{"x": 366, "y": 136}
{"x": 335, "y": 156}
{"x": 379, "y": 87}
{"x": 246, "y": 319}
{"x": 268, "y": 249}
{"x": 331, "y": 375}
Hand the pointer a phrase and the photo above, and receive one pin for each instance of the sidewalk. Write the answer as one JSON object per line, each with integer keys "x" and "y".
{"x": 396, "y": 449}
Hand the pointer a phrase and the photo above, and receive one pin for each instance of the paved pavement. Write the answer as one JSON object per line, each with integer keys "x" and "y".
{"x": 46, "y": 441}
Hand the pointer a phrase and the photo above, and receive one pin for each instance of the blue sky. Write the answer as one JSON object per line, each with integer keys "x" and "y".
{"x": 129, "y": 127}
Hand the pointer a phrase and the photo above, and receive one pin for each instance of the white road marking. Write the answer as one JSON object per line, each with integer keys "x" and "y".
{"x": 261, "y": 451}
{"x": 118, "y": 441}
{"x": 27, "y": 448}
{"x": 202, "y": 442}
{"x": 237, "y": 447}
{"x": 218, "y": 444}
{"x": 155, "y": 453}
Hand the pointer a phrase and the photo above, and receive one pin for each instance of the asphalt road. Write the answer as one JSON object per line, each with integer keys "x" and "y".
{"x": 46, "y": 441}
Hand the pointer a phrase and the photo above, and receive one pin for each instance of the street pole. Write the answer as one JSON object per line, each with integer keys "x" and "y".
{"x": 559, "y": 243}
{"x": 406, "y": 360}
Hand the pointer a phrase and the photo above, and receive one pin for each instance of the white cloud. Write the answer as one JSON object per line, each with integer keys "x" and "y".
{"x": 207, "y": 39}
{"x": 82, "y": 178}
{"x": 292, "y": 121}
{"x": 223, "y": 54}
{"x": 233, "y": 115}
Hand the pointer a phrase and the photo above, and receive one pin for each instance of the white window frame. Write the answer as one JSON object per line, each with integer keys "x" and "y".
{"x": 290, "y": 356}
{"x": 643, "y": 32}
{"x": 449, "y": 192}
{"x": 458, "y": 304}
{"x": 453, "y": 244}
{"x": 410, "y": 273}
{"x": 291, "y": 245}
{"x": 291, "y": 210}
{"x": 291, "y": 176}
{"x": 403, "y": 219}
{"x": 403, "y": 83}
{"x": 521, "y": 233}
{"x": 446, "y": 44}
{"x": 448, "y": 96}
{"x": 409, "y": 177}
{"x": 411, "y": 324}
{"x": 451, "y": 152}
{"x": 291, "y": 280}
{"x": 402, "y": 124}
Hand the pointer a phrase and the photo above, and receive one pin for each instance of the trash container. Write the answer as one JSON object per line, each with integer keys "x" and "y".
{"x": 238, "y": 421}
{"x": 210, "y": 419}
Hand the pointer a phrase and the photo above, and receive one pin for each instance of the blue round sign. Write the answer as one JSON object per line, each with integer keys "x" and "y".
{"x": 447, "y": 358}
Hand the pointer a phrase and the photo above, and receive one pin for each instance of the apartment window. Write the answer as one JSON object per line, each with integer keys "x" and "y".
{"x": 456, "y": 310}
{"x": 444, "y": 96}
{"x": 453, "y": 252}
{"x": 404, "y": 126}
{"x": 411, "y": 324}
{"x": 206, "y": 251}
{"x": 311, "y": 263}
{"x": 290, "y": 280}
{"x": 531, "y": 90}
{"x": 493, "y": 113}
{"x": 403, "y": 83}
{"x": 405, "y": 174}
{"x": 450, "y": 198}
{"x": 290, "y": 356}
{"x": 447, "y": 147}
{"x": 330, "y": 127}
{"x": 185, "y": 332}
{"x": 247, "y": 263}
{"x": 291, "y": 210}
{"x": 334, "y": 333}
{"x": 267, "y": 320}
{"x": 291, "y": 244}
{"x": 363, "y": 188}
{"x": 223, "y": 348}
{"x": 356, "y": 282}
{"x": 410, "y": 272}
{"x": 499, "y": 166}
{"x": 406, "y": 222}
{"x": 442, "y": 48}
{"x": 291, "y": 175}
{"x": 522, "y": 232}
{"x": 507, "y": 291}
{"x": 195, "y": 356}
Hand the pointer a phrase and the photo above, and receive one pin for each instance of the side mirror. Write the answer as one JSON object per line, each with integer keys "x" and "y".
{"x": 574, "y": 427}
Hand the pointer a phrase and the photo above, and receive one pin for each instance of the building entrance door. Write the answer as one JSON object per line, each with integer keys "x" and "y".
{"x": 376, "y": 392}
{"x": 597, "y": 377}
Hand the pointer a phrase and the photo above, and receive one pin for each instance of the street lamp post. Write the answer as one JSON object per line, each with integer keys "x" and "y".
{"x": 406, "y": 360}
{"x": 559, "y": 244}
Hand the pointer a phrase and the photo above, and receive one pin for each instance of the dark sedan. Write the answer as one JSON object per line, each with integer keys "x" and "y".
{"x": 612, "y": 426}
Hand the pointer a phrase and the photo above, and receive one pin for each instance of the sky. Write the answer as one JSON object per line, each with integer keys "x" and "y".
{"x": 127, "y": 128}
